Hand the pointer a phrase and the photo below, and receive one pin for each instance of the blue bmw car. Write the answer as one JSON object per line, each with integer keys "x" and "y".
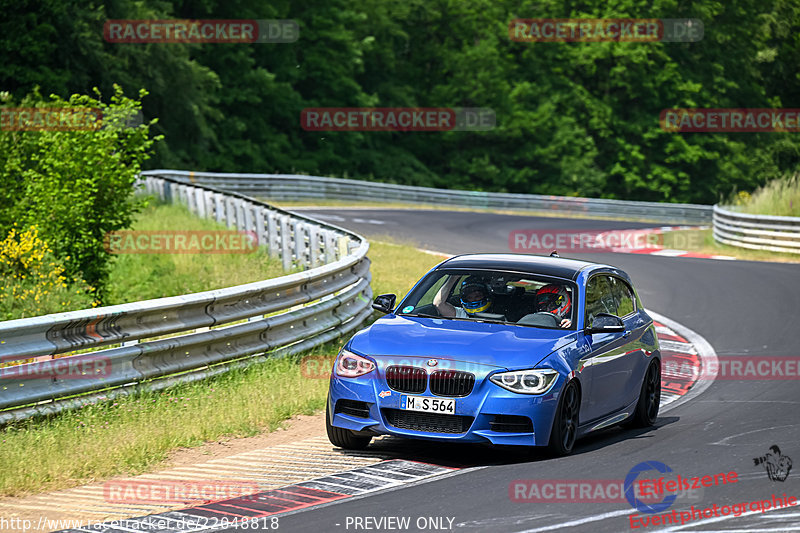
{"x": 503, "y": 349}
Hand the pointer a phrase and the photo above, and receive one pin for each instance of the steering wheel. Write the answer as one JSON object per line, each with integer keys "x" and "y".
{"x": 555, "y": 317}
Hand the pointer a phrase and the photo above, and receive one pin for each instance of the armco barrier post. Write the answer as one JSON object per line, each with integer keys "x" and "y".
{"x": 249, "y": 223}
{"x": 272, "y": 235}
{"x": 286, "y": 254}
{"x": 261, "y": 231}
{"x": 219, "y": 207}
{"x": 313, "y": 245}
{"x": 342, "y": 247}
{"x": 230, "y": 213}
{"x": 299, "y": 243}
{"x": 330, "y": 246}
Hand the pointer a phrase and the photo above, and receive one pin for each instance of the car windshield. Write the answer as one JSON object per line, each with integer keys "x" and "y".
{"x": 494, "y": 296}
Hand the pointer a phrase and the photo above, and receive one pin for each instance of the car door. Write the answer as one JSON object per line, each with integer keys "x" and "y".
{"x": 612, "y": 358}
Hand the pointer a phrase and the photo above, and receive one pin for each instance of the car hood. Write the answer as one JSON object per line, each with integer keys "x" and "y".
{"x": 499, "y": 345}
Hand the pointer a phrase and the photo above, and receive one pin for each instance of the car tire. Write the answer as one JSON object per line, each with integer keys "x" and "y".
{"x": 646, "y": 411}
{"x": 344, "y": 438}
{"x": 565, "y": 423}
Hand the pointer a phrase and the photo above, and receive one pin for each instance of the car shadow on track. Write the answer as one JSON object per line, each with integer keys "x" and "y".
{"x": 457, "y": 455}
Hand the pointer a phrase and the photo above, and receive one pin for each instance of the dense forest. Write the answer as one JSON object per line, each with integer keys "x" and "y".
{"x": 575, "y": 118}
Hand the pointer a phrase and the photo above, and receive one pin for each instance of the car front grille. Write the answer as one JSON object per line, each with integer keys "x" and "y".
{"x": 352, "y": 408}
{"x": 428, "y": 422}
{"x": 406, "y": 379}
{"x": 452, "y": 383}
{"x": 511, "y": 424}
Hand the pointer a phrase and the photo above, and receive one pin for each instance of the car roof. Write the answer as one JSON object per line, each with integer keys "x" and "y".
{"x": 536, "y": 264}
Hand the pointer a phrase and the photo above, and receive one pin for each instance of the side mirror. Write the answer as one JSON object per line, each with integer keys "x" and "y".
{"x": 384, "y": 303}
{"x": 606, "y": 323}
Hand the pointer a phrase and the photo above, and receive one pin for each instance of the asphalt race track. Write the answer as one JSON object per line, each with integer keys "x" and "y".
{"x": 742, "y": 308}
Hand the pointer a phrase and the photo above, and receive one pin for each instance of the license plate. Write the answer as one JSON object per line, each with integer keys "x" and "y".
{"x": 428, "y": 405}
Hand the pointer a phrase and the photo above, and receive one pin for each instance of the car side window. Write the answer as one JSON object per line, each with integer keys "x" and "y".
{"x": 599, "y": 298}
{"x": 623, "y": 295}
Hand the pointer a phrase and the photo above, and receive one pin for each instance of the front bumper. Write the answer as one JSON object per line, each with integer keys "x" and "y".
{"x": 479, "y": 409}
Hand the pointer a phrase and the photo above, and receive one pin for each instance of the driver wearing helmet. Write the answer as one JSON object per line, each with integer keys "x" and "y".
{"x": 554, "y": 299}
{"x": 475, "y": 298}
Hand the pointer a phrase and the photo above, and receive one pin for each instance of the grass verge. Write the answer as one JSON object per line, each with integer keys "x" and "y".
{"x": 140, "y": 276}
{"x": 135, "y": 434}
{"x": 780, "y": 197}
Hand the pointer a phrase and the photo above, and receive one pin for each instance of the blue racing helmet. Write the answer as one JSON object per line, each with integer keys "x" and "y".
{"x": 469, "y": 302}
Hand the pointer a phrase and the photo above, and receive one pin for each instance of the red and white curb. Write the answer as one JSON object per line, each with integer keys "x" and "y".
{"x": 659, "y": 250}
{"x": 688, "y": 362}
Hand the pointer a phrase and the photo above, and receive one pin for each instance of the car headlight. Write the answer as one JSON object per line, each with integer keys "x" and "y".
{"x": 526, "y": 381}
{"x": 350, "y": 365}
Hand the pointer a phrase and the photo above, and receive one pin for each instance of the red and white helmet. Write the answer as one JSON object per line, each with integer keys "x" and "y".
{"x": 553, "y": 299}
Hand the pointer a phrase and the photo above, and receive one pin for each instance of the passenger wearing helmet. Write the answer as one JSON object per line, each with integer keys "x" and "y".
{"x": 555, "y": 299}
{"x": 475, "y": 298}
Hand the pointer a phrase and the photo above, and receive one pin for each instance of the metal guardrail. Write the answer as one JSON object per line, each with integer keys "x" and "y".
{"x": 189, "y": 337}
{"x": 296, "y": 187}
{"x": 757, "y": 232}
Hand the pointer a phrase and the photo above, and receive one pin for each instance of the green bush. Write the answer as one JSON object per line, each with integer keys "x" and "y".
{"x": 75, "y": 186}
{"x": 33, "y": 279}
